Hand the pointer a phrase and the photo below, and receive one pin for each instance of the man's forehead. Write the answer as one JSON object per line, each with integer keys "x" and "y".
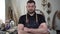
{"x": 30, "y": 4}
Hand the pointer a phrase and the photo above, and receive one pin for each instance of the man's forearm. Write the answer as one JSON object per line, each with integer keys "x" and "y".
{"x": 38, "y": 31}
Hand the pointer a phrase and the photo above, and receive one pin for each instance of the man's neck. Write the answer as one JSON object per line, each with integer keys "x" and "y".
{"x": 31, "y": 14}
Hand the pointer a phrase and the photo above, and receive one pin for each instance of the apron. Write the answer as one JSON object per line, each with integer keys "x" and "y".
{"x": 32, "y": 22}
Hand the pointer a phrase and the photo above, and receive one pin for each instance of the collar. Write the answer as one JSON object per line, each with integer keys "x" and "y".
{"x": 32, "y": 15}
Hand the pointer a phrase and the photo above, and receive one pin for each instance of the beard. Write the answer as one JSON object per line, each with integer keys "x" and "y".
{"x": 30, "y": 12}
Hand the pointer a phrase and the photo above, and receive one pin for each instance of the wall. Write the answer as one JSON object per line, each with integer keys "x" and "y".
{"x": 2, "y": 11}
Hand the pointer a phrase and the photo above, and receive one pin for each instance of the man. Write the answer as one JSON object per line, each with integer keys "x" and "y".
{"x": 32, "y": 23}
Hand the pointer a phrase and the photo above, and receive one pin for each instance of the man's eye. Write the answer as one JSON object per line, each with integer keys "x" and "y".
{"x": 30, "y": 6}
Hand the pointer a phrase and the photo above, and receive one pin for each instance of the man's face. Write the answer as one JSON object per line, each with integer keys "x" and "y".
{"x": 30, "y": 7}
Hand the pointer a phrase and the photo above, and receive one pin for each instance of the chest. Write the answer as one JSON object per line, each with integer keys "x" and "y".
{"x": 32, "y": 22}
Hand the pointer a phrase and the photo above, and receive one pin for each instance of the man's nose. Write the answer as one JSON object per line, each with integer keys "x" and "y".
{"x": 30, "y": 7}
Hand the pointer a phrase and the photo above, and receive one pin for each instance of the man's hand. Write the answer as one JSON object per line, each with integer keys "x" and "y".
{"x": 26, "y": 29}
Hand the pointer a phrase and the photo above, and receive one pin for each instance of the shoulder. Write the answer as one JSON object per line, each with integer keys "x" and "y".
{"x": 40, "y": 15}
{"x": 22, "y": 17}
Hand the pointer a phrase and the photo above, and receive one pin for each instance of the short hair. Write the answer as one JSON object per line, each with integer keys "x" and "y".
{"x": 31, "y": 1}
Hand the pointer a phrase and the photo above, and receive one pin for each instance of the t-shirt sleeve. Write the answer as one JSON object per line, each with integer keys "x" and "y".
{"x": 43, "y": 19}
{"x": 20, "y": 20}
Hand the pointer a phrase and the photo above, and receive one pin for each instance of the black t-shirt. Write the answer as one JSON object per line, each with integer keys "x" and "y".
{"x": 32, "y": 20}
